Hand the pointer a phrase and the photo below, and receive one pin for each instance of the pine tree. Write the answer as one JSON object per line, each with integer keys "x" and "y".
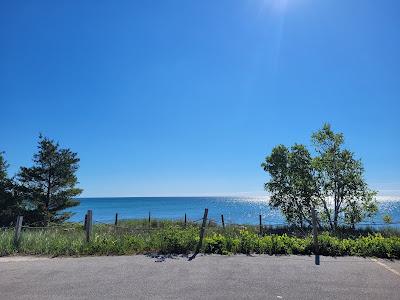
{"x": 49, "y": 186}
{"x": 9, "y": 202}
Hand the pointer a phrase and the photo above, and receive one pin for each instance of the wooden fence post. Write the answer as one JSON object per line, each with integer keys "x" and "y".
{"x": 85, "y": 223}
{"x": 223, "y": 222}
{"x": 185, "y": 220}
{"x": 116, "y": 219}
{"x": 17, "y": 232}
{"x": 89, "y": 224}
{"x": 149, "y": 219}
{"x": 202, "y": 231}
{"x": 315, "y": 235}
{"x": 260, "y": 225}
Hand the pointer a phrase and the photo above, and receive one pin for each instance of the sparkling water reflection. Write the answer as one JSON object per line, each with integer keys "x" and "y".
{"x": 239, "y": 210}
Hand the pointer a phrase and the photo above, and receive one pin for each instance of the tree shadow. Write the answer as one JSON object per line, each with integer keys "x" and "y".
{"x": 163, "y": 257}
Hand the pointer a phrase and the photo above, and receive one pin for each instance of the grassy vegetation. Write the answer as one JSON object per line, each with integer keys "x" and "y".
{"x": 165, "y": 237}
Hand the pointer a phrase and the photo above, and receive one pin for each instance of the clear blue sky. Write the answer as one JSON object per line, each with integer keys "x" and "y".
{"x": 187, "y": 97}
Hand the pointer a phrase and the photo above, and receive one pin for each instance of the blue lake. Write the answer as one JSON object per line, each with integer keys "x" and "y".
{"x": 239, "y": 210}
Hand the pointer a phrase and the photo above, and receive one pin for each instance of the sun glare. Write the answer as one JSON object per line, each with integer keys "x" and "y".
{"x": 279, "y": 6}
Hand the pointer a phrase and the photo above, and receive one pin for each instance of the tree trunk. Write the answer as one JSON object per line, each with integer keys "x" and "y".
{"x": 335, "y": 218}
{"x": 48, "y": 195}
{"x": 328, "y": 214}
{"x": 336, "y": 203}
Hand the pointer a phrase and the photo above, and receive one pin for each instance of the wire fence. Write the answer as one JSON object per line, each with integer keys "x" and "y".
{"x": 150, "y": 225}
{"x": 149, "y": 229}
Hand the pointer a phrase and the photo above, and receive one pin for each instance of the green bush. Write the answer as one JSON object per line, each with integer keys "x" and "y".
{"x": 377, "y": 245}
{"x": 248, "y": 241}
{"x": 177, "y": 241}
{"x": 387, "y": 219}
{"x": 217, "y": 243}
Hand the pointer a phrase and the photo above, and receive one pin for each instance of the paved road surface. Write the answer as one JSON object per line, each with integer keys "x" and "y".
{"x": 206, "y": 277}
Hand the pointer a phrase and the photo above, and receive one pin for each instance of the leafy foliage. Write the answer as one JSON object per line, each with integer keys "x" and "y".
{"x": 341, "y": 181}
{"x": 292, "y": 185}
{"x": 332, "y": 181}
{"x": 69, "y": 240}
{"x": 387, "y": 219}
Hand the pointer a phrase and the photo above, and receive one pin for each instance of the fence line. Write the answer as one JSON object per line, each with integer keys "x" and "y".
{"x": 263, "y": 228}
{"x": 223, "y": 222}
{"x": 49, "y": 227}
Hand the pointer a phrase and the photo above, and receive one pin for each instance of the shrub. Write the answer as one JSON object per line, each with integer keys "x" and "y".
{"x": 217, "y": 243}
{"x": 248, "y": 241}
{"x": 177, "y": 241}
{"x": 170, "y": 238}
{"x": 387, "y": 219}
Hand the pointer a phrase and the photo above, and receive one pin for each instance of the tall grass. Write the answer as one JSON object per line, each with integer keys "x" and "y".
{"x": 168, "y": 237}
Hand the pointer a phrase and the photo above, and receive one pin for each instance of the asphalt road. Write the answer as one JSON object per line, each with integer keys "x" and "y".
{"x": 206, "y": 277}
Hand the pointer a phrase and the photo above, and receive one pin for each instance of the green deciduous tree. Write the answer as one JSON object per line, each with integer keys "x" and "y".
{"x": 292, "y": 186}
{"x": 345, "y": 195}
{"x": 333, "y": 182}
{"x": 49, "y": 186}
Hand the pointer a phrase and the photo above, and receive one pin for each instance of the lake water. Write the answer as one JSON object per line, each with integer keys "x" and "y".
{"x": 239, "y": 210}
